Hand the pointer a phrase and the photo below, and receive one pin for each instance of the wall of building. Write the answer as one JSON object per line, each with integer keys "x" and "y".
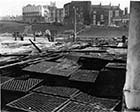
{"x": 33, "y": 14}
{"x": 99, "y": 16}
{"x": 33, "y": 19}
{"x": 32, "y": 9}
{"x": 90, "y": 14}
{"x": 121, "y": 21}
{"x": 60, "y": 15}
{"x": 55, "y": 14}
{"x": 52, "y": 14}
{"x": 82, "y": 12}
{"x": 103, "y": 14}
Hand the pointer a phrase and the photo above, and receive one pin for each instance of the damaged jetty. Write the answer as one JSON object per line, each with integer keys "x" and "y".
{"x": 73, "y": 77}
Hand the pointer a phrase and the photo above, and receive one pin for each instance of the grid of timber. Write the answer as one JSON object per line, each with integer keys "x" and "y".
{"x": 44, "y": 93}
{"x": 41, "y": 67}
{"x": 73, "y": 106}
{"x": 103, "y": 102}
{"x": 63, "y": 69}
{"x": 21, "y": 85}
{"x": 35, "y": 102}
{"x": 84, "y": 75}
{"x": 58, "y": 91}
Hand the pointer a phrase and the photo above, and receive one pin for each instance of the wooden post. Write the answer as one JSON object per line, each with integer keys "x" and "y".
{"x": 132, "y": 84}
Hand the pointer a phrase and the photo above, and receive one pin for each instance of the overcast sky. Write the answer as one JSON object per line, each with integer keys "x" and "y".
{"x": 14, "y": 7}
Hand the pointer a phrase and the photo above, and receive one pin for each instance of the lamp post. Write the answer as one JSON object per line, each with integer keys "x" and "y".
{"x": 75, "y": 24}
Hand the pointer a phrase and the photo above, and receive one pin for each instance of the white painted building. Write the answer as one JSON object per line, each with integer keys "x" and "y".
{"x": 33, "y": 14}
{"x": 43, "y": 13}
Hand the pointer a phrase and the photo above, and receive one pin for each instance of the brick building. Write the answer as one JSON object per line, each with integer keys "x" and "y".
{"x": 60, "y": 15}
{"x": 122, "y": 20}
{"x": 52, "y": 12}
{"x": 55, "y": 14}
{"x": 82, "y": 9}
{"x": 103, "y": 14}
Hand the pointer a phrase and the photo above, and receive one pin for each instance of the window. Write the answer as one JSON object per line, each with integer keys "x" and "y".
{"x": 94, "y": 17}
{"x": 94, "y": 12}
{"x": 110, "y": 13}
{"x": 94, "y": 22}
{"x": 116, "y": 13}
{"x": 102, "y": 16}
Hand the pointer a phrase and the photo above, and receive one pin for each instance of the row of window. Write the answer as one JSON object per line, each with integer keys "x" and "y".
{"x": 98, "y": 22}
{"x": 39, "y": 14}
{"x": 32, "y": 9}
{"x": 110, "y": 15}
{"x": 32, "y": 14}
{"x": 101, "y": 17}
{"x": 117, "y": 13}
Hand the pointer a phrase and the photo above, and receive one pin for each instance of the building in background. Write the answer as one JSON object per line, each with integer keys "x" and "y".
{"x": 81, "y": 9}
{"x": 18, "y": 18}
{"x": 12, "y": 18}
{"x": 104, "y": 14}
{"x": 43, "y": 13}
{"x": 60, "y": 15}
{"x": 122, "y": 20}
{"x": 79, "y": 12}
{"x": 56, "y": 15}
{"x": 35, "y": 14}
{"x": 8, "y": 18}
{"x": 52, "y": 12}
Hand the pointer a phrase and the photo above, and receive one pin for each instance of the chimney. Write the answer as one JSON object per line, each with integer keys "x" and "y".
{"x": 119, "y": 5}
{"x": 125, "y": 10}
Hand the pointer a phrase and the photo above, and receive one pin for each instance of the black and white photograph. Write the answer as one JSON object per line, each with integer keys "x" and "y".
{"x": 69, "y": 56}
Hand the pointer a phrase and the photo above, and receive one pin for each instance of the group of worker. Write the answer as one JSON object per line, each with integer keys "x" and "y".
{"x": 17, "y": 35}
{"x": 47, "y": 34}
